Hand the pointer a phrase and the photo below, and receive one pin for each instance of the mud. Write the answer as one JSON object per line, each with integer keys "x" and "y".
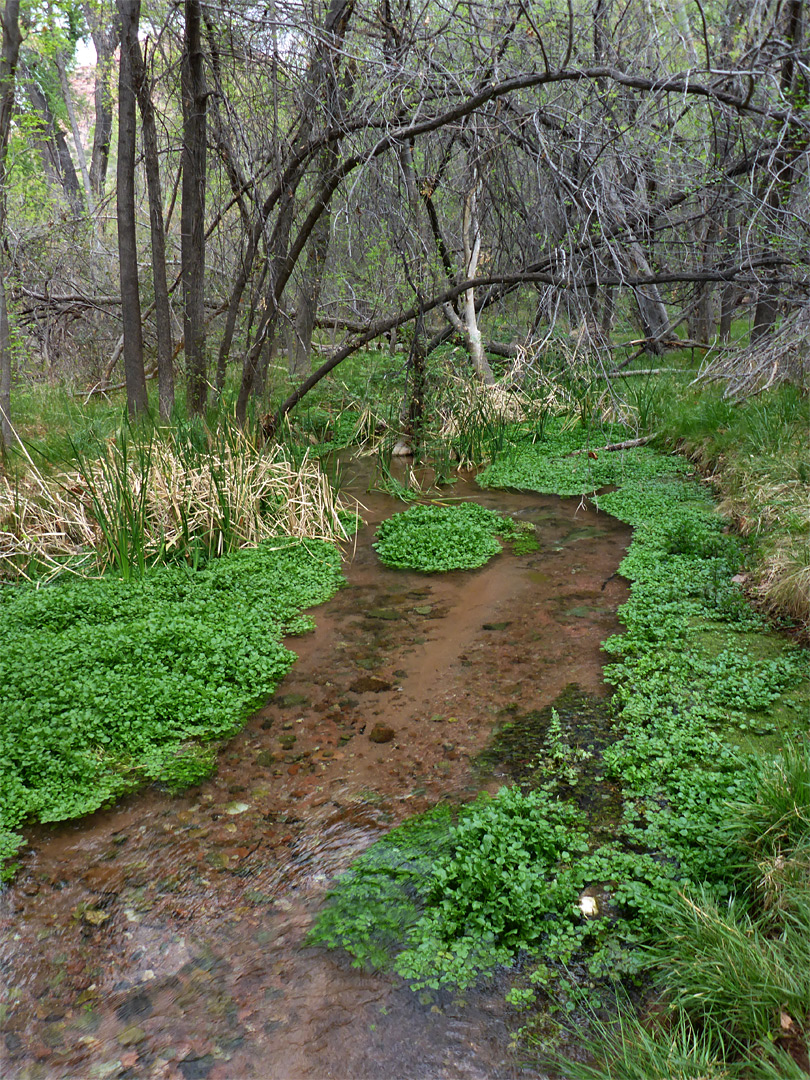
{"x": 163, "y": 937}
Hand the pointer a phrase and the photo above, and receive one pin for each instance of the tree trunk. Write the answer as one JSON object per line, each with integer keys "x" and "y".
{"x": 192, "y": 213}
{"x": 55, "y": 150}
{"x": 125, "y": 209}
{"x": 307, "y": 296}
{"x": 105, "y": 29}
{"x": 471, "y": 238}
{"x": 729, "y": 292}
{"x": 654, "y": 317}
{"x": 765, "y": 313}
{"x": 59, "y": 60}
{"x": 163, "y": 316}
{"x": 8, "y": 68}
{"x": 321, "y": 78}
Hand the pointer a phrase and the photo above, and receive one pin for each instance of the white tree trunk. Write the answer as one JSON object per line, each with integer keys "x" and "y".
{"x": 471, "y": 238}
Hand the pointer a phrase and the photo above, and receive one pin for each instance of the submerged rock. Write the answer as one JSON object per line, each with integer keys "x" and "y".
{"x": 381, "y": 733}
{"x": 369, "y": 684}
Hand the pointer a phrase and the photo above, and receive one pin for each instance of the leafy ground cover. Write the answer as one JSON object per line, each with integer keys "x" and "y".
{"x": 699, "y": 715}
{"x": 434, "y": 539}
{"x": 757, "y": 454}
{"x": 110, "y": 683}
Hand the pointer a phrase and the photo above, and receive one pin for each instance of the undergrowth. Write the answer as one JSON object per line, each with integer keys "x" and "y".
{"x": 108, "y": 683}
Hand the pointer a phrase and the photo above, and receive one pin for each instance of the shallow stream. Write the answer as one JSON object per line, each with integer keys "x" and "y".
{"x": 164, "y": 937}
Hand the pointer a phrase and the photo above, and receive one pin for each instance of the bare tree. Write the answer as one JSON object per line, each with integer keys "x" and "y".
{"x": 8, "y": 68}
{"x": 163, "y": 318}
{"x": 129, "y": 11}
{"x": 192, "y": 220}
{"x": 105, "y": 28}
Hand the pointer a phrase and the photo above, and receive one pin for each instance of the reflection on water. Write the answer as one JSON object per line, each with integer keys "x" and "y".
{"x": 163, "y": 938}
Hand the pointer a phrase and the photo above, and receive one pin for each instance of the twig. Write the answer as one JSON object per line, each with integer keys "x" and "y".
{"x": 640, "y": 371}
{"x": 103, "y": 388}
{"x": 628, "y": 445}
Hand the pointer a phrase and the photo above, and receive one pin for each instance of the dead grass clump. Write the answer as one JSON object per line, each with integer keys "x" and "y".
{"x": 472, "y": 407}
{"x": 784, "y": 578}
{"x": 134, "y": 504}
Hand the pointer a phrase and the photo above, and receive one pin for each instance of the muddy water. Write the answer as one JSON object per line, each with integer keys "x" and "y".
{"x": 164, "y": 937}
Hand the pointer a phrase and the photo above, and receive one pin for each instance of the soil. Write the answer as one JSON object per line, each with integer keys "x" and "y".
{"x": 165, "y": 937}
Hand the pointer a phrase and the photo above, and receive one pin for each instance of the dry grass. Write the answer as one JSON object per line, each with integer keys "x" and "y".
{"x": 777, "y": 513}
{"x": 784, "y": 577}
{"x": 474, "y": 405}
{"x": 165, "y": 499}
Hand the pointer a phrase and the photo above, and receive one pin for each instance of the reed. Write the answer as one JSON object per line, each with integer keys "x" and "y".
{"x": 185, "y": 494}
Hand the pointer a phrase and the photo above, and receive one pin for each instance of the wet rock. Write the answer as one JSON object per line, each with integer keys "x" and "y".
{"x": 139, "y": 1005}
{"x": 495, "y": 625}
{"x": 381, "y": 733}
{"x": 265, "y": 758}
{"x": 287, "y": 741}
{"x": 131, "y": 1036}
{"x": 53, "y": 1035}
{"x": 104, "y": 1069}
{"x": 385, "y": 613}
{"x": 369, "y": 663}
{"x": 237, "y": 807}
{"x": 579, "y": 612}
{"x": 104, "y": 878}
{"x": 291, "y": 701}
{"x": 256, "y": 896}
{"x": 370, "y": 684}
{"x": 197, "y": 1068}
{"x": 423, "y": 609}
{"x": 93, "y": 916}
{"x": 14, "y": 1043}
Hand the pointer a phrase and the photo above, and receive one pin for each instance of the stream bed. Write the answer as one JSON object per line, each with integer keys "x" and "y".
{"x": 165, "y": 937}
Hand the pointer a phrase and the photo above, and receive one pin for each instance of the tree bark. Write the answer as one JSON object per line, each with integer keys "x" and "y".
{"x": 125, "y": 212}
{"x": 8, "y": 69}
{"x": 471, "y": 239}
{"x": 105, "y": 29}
{"x": 192, "y": 213}
{"x": 163, "y": 316}
{"x": 59, "y": 60}
{"x": 53, "y": 144}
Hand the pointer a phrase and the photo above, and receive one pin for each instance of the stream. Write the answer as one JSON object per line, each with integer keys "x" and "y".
{"x": 164, "y": 937}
